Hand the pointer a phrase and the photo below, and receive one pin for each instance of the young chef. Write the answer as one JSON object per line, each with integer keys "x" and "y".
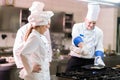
{"x": 36, "y": 7}
{"x": 35, "y": 53}
{"x": 92, "y": 36}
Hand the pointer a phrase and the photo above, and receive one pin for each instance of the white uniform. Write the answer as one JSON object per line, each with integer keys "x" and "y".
{"x": 19, "y": 42}
{"x": 36, "y": 50}
{"x": 92, "y": 38}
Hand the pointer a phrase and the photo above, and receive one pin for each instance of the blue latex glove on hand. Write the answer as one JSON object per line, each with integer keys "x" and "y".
{"x": 81, "y": 48}
{"x": 77, "y": 40}
{"x": 98, "y": 59}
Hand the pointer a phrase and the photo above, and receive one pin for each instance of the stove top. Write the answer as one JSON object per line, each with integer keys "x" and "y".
{"x": 107, "y": 73}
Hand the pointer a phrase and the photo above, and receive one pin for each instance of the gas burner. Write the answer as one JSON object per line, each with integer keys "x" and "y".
{"x": 103, "y": 74}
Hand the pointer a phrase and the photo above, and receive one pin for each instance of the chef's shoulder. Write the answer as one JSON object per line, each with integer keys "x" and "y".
{"x": 78, "y": 25}
{"x": 98, "y": 30}
{"x": 23, "y": 28}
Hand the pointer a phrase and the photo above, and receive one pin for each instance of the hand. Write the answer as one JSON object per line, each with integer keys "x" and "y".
{"x": 81, "y": 51}
{"x": 98, "y": 61}
{"x": 77, "y": 40}
{"x": 84, "y": 50}
{"x": 36, "y": 68}
{"x": 75, "y": 49}
{"x": 23, "y": 73}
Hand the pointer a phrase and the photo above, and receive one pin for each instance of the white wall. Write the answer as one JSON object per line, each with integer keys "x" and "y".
{"x": 108, "y": 23}
{"x": 107, "y": 20}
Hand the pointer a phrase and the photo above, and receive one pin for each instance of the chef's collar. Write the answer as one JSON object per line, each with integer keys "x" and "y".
{"x": 38, "y": 33}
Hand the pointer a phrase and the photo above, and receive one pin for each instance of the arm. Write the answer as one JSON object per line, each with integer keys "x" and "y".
{"x": 99, "y": 53}
{"x": 19, "y": 42}
{"x": 18, "y": 45}
{"x": 82, "y": 49}
{"x": 30, "y": 47}
{"x": 99, "y": 46}
{"x": 75, "y": 32}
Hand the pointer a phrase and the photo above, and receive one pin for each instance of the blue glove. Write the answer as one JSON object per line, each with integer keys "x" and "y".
{"x": 99, "y": 53}
{"x": 77, "y": 40}
{"x": 98, "y": 58}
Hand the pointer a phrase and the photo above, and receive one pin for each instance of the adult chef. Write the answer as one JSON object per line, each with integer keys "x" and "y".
{"x": 36, "y": 7}
{"x": 88, "y": 33}
{"x": 35, "y": 52}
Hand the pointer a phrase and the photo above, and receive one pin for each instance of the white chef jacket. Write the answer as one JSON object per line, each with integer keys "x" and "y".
{"x": 36, "y": 50}
{"x": 19, "y": 41}
{"x": 92, "y": 38}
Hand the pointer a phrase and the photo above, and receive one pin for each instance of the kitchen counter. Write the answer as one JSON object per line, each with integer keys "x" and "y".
{"x": 112, "y": 60}
{"x": 5, "y": 70}
{"x": 7, "y": 67}
{"x": 57, "y": 65}
{"x": 8, "y": 70}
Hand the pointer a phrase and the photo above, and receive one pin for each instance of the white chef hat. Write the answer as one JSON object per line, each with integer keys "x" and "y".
{"x": 36, "y": 7}
{"x": 42, "y": 18}
{"x": 93, "y": 11}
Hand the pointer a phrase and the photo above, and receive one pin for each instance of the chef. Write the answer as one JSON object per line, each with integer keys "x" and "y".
{"x": 36, "y": 7}
{"x": 92, "y": 37}
{"x": 35, "y": 52}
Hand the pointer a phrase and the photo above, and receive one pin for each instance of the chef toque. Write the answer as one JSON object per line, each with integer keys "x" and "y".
{"x": 36, "y": 7}
{"x": 42, "y": 18}
{"x": 93, "y": 11}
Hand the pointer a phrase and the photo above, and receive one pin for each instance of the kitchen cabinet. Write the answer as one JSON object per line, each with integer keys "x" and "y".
{"x": 24, "y": 13}
{"x": 57, "y": 22}
{"x": 62, "y": 22}
{"x": 9, "y": 18}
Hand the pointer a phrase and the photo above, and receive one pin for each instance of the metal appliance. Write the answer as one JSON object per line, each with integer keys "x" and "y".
{"x": 109, "y": 72}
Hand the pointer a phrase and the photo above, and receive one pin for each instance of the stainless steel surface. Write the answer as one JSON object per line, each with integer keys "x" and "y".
{"x": 9, "y": 18}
